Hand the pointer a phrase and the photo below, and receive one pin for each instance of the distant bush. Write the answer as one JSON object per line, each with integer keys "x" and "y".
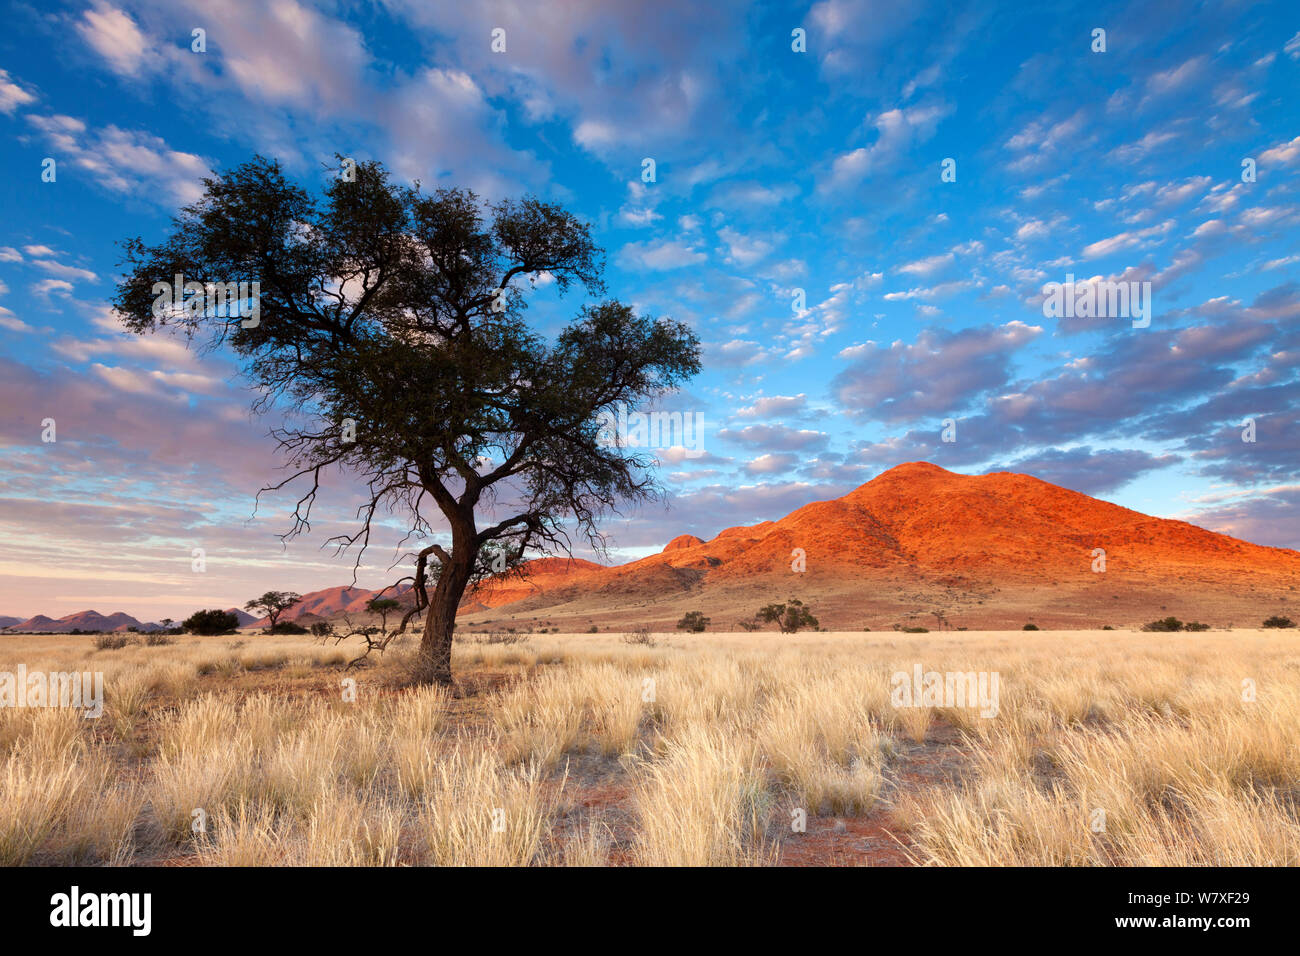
{"x": 1196, "y": 626}
{"x": 593, "y": 629}
{"x": 287, "y": 627}
{"x": 1276, "y": 621}
{"x": 211, "y": 622}
{"x": 322, "y": 629}
{"x": 112, "y": 642}
{"x": 1030, "y": 627}
{"x": 1107, "y": 627}
{"x": 640, "y": 635}
{"x": 915, "y": 630}
{"x": 1164, "y": 624}
{"x": 693, "y": 621}
{"x": 502, "y": 637}
{"x": 158, "y": 639}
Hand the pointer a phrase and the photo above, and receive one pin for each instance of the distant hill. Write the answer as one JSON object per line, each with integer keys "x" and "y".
{"x": 80, "y": 621}
{"x": 922, "y": 545}
{"x": 331, "y": 603}
{"x": 915, "y": 545}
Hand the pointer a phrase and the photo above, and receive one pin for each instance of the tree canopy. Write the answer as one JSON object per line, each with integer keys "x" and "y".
{"x": 390, "y": 330}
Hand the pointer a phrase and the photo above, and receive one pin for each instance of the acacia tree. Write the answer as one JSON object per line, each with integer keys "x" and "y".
{"x": 273, "y": 604}
{"x": 390, "y": 331}
{"x": 788, "y": 617}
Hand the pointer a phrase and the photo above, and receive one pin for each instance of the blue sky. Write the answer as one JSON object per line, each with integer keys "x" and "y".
{"x": 775, "y": 171}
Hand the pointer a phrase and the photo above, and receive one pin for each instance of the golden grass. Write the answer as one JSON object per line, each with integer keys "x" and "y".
{"x": 1113, "y": 748}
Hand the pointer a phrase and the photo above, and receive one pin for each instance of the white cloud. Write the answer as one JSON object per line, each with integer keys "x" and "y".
{"x": 1125, "y": 240}
{"x": 662, "y": 255}
{"x": 47, "y": 287}
{"x": 126, "y": 161}
{"x": 65, "y": 271}
{"x": 11, "y": 322}
{"x": 12, "y": 95}
{"x": 898, "y": 130}
{"x": 929, "y": 266}
{"x": 744, "y": 250}
{"x": 114, "y": 35}
{"x": 1284, "y": 154}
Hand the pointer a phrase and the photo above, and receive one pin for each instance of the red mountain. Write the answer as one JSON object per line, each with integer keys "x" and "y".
{"x": 919, "y": 544}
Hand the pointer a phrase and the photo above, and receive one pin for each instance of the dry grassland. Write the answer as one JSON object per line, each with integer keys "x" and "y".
{"x": 1109, "y": 748}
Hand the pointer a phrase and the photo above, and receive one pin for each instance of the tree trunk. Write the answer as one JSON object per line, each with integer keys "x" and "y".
{"x": 433, "y": 662}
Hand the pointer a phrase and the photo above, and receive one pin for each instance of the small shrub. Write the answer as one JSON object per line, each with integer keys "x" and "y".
{"x": 640, "y": 635}
{"x": 915, "y": 630}
{"x": 593, "y": 629}
{"x": 286, "y": 627}
{"x": 1197, "y": 626}
{"x": 112, "y": 642}
{"x": 1107, "y": 627}
{"x": 502, "y": 637}
{"x": 1276, "y": 621}
{"x": 693, "y": 621}
{"x": 1030, "y": 627}
{"x": 158, "y": 639}
{"x": 1164, "y": 624}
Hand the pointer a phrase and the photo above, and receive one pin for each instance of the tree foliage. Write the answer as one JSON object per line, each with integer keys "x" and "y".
{"x": 391, "y": 334}
{"x": 210, "y": 622}
{"x": 693, "y": 621}
{"x": 789, "y": 617}
{"x": 272, "y": 604}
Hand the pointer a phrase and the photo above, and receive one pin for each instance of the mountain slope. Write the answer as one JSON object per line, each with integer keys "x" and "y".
{"x": 81, "y": 621}
{"x": 918, "y": 541}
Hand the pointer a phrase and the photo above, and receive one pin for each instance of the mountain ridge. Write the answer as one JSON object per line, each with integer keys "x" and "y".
{"x": 915, "y": 540}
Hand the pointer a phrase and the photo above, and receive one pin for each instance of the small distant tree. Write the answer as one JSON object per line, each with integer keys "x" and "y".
{"x": 1276, "y": 621}
{"x": 693, "y": 621}
{"x": 210, "y": 622}
{"x": 788, "y": 617}
{"x": 1030, "y": 627}
{"x": 322, "y": 629}
{"x": 273, "y": 603}
{"x": 383, "y": 607}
